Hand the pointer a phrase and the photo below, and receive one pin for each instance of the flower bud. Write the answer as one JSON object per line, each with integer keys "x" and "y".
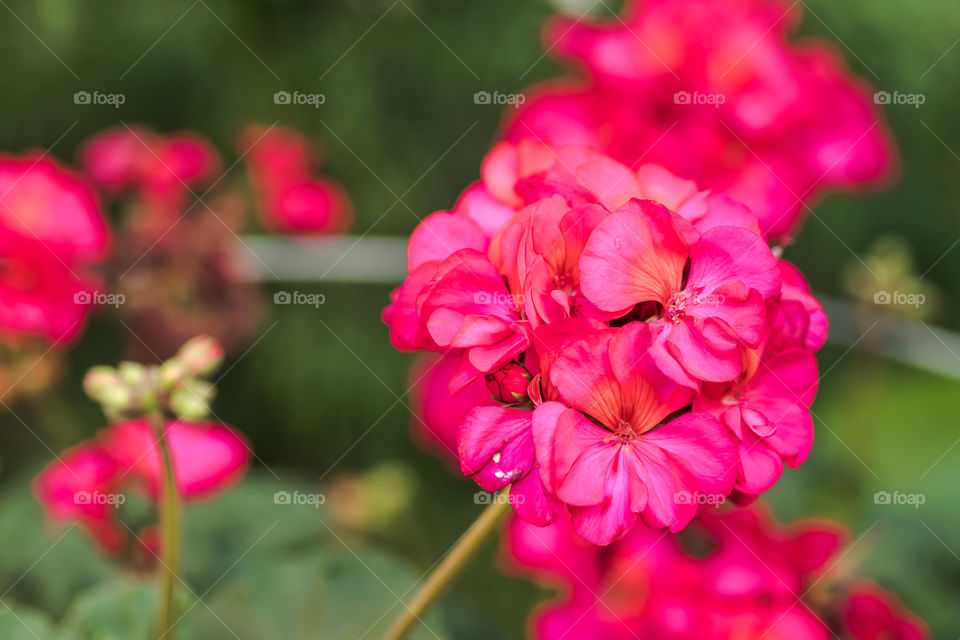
{"x": 105, "y": 385}
{"x": 200, "y": 355}
{"x": 133, "y": 374}
{"x": 509, "y": 383}
{"x": 191, "y": 399}
{"x": 171, "y": 373}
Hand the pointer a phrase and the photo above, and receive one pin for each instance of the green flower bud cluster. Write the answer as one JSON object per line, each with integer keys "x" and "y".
{"x": 132, "y": 389}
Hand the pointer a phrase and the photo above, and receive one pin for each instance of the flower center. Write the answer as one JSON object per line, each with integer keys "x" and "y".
{"x": 564, "y": 282}
{"x": 625, "y": 431}
{"x": 679, "y": 301}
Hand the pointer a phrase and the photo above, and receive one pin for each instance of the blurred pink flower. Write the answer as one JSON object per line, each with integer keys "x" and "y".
{"x": 712, "y": 90}
{"x": 291, "y": 199}
{"x": 870, "y": 613}
{"x": 159, "y": 168}
{"x": 737, "y": 574}
{"x": 88, "y": 483}
{"x": 52, "y": 231}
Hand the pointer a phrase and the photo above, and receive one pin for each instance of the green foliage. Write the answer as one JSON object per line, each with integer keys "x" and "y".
{"x": 252, "y": 563}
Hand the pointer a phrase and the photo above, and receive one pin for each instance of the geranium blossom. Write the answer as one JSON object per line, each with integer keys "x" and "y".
{"x": 52, "y": 232}
{"x": 712, "y": 90}
{"x": 85, "y": 483}
{"x": 291, "y": 199}
{"x": 624, "y": 322}
{"x": 755, "y": 579}
{"x": 160, "y": 169}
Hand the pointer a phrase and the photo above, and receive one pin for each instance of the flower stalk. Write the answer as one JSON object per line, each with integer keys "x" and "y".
{"x": 450, "y": 567}
{"x": 168, "y": 571}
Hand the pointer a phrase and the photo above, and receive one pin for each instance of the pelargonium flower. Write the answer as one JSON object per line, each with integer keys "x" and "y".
{"x": 737, "y": 574}
{"x": 767, "y": 407}
{"x": 52, "y": 232}
{"x": 438, "y": 413}
{"x": 159, "y": 168}
{"x": 608, "y": 447}
{"x": 623, "y": 322}
{"x": 84, "y": 483}
{"x": 712, "y": 90}
{"x": 291, "y": 199}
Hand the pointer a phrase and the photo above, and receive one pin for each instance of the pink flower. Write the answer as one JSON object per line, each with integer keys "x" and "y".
{"x": 88, "y": 482}
{"x": 639, "y": 255}
{"x": 291, "y": 198}
{"x": 712, "y": 91}
{"x": 870, "y": 613}
{"x": 768, "y": 412}
{"x": 467, "y": 306}
{"x": 739, "y": 574}
{"x": 438, "y": 413}
{"x": 595, "y": 312}
{"x": 614, "y": 455}
{"x": 208, "y": 458}
{"x": 52, "y": 232}
{"x": 161, "y": 169}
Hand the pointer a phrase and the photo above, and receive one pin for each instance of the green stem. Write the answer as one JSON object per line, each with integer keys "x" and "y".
{"x": 451, "y": 566}
{"x": 169, "y": 568}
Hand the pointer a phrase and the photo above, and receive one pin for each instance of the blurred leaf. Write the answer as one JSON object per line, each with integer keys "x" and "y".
{"x": 121, "y": 609}
{"x": 334, "y": 594}
{"x": 43, "y": 565}
{"x": 249, "y": 522}
{"x": 18, "y": 623}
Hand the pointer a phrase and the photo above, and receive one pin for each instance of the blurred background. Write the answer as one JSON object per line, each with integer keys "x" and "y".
{"x": 320, "y": 392}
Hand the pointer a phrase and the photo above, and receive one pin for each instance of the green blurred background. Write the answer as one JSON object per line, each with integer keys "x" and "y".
{"x": 322, "y": 394}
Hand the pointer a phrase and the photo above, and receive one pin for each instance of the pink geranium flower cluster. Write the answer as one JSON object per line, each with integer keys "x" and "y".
{"x": 291, "y": 199}
{"x": 738, "y": 574}
{"x": 158, "y": 170}
{"x": 646, "y": 348}
{"x": 712, "y": 90}
{"x": 89, "y": 483}
{"x": 52, "y": 233}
